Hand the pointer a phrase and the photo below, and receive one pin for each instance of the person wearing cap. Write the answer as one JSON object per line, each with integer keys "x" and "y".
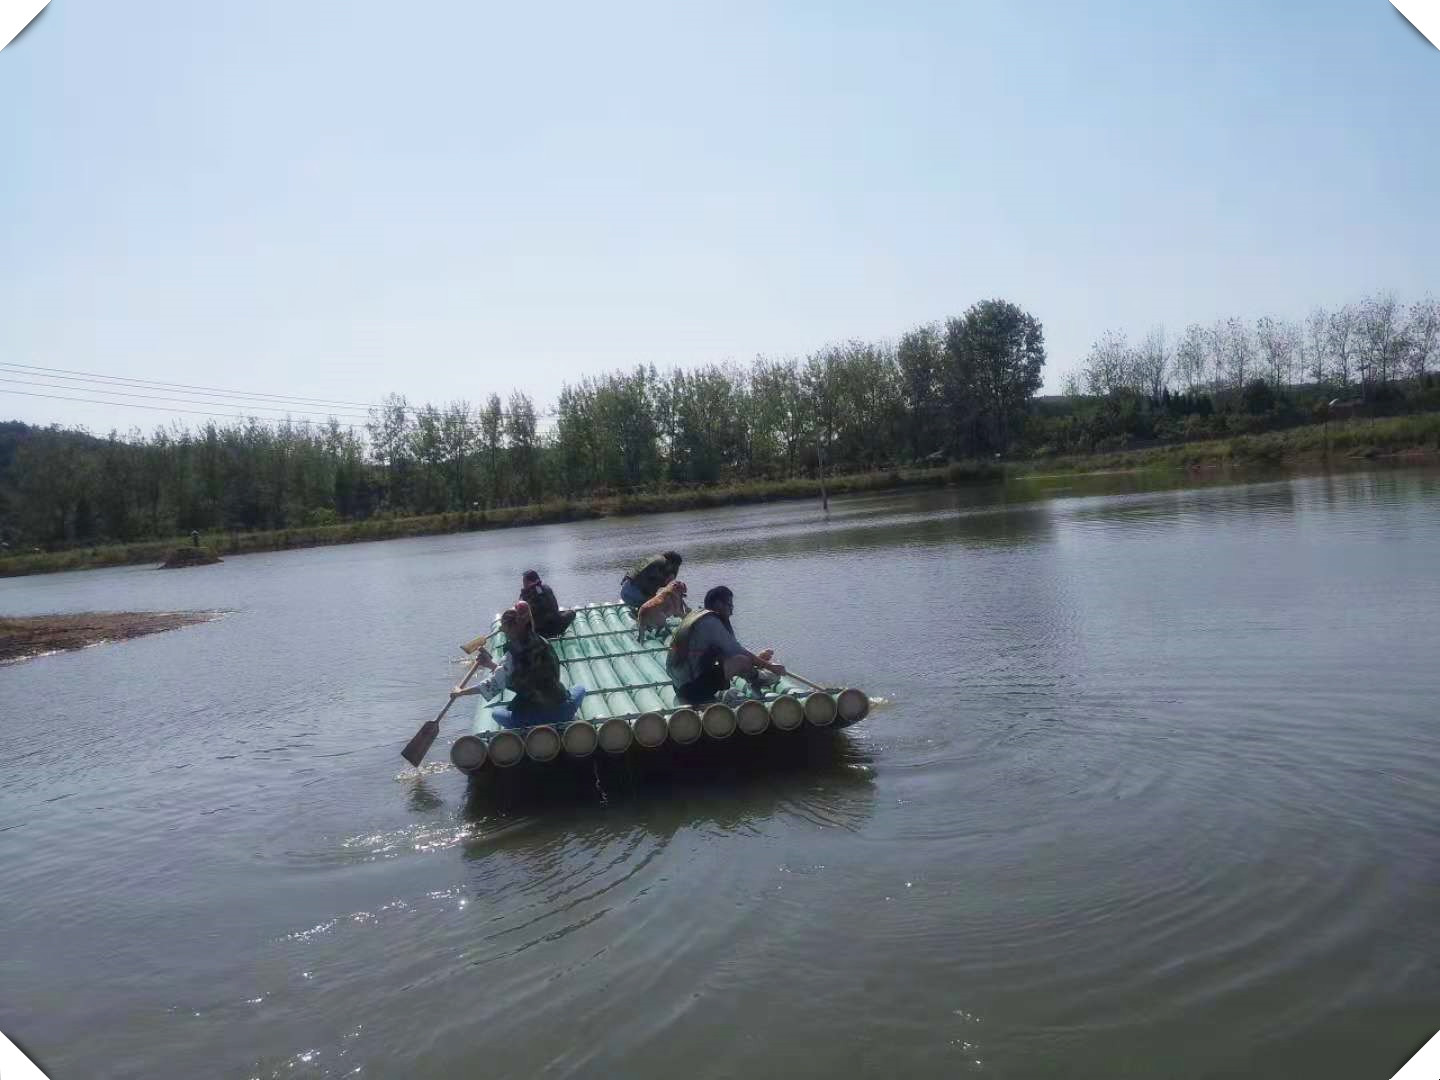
{"x": 645, "y": 578}
{"x": 704, "y": 654}
{"x": 531, "y": 669}
{"x": 551, "y": 620}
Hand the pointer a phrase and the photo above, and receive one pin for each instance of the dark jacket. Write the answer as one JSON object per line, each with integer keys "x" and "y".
{"x": 649, "y": 575}
{"x": 535, "y": 678}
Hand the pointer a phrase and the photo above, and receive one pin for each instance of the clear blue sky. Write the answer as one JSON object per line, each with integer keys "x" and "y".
{"x": 337, "y": 200}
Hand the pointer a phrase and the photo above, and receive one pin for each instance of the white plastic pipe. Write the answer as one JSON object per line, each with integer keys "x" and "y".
{"x": 851, "y": 706}
{"x": 614, "y": 736}
{"x": 752, "y": 717}
{"x": 650, "y": 730}
{"x": 468, "y": 753}
{"x": 506, "y": 748}
{"x": 685, "y": 726}
{"x": 786, "y": 713}
{"x": 542, "y": 743}
{"x": 718, "y": 721}
{"x": 820, "y": 709}
{"x": 579, "y": 738}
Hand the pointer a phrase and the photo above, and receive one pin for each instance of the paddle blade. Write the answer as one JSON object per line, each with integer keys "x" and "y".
{"x": 416, "y": 749}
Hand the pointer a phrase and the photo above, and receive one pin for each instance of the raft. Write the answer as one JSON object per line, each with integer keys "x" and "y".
{"x": 630, "y": 706}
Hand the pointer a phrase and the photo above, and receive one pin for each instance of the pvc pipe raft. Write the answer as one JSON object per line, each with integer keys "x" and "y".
{"x": 631, "y": 706}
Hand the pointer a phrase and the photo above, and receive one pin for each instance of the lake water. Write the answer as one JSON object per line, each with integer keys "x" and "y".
{"x": 1155, "y": 790}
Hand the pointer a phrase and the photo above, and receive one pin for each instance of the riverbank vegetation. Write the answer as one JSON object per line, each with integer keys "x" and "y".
{"x": 928, "y": 409}
{"x": 1337, "y": 443}
{"x": 953, "y": 391}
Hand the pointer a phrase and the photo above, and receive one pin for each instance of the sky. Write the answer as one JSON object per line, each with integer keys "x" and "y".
{"x": 341, "y": 200}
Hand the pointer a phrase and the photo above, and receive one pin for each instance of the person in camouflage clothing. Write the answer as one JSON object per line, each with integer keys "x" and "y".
{"x": 531, "y": 670}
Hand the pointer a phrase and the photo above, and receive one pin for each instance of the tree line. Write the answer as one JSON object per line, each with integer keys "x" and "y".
{"x": 958, "y": 388}
{"x": 1372, "y": 357}
{"x": 1357, "y": 348}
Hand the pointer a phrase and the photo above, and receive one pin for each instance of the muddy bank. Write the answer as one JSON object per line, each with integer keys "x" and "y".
{"x": 190, "y": 556}
{"x": 33, "y": 635}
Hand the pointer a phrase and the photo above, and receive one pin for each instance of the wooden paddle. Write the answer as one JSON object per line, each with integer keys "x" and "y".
{"x": 479, "y": 643}
{"x": 807, "y": 682}
{"x": 416, "y": 749}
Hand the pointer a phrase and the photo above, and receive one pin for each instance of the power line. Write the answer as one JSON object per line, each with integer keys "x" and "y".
{"x": 91, "y": 376}
{"x": 169, "y": 408}
{"x": 539, "y": 430}
{"x": 184, "y": 401}
{"x": 98, "y": 384}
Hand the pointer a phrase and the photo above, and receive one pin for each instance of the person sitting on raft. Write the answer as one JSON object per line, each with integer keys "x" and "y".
{"x": 532, "y": 670}
{"x": 704, "y": 654}
{"x": 646, "y": 578}
{"x": 551, "y": 620}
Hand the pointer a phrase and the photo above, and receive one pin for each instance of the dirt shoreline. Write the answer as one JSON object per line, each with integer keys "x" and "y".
{"x": 23, "y": 637}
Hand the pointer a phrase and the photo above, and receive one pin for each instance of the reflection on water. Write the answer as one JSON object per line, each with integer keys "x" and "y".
{"x": 730, "y": 785}
{"x": 1154, "y": 794}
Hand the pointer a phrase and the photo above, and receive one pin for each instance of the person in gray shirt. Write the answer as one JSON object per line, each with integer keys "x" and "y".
{"x": 705, "y": 655}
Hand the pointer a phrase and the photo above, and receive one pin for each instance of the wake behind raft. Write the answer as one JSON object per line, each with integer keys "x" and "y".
{"x": 631, "y": 706}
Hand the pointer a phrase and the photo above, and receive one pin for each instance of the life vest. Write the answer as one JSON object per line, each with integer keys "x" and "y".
{"x": 535, "y": 674}
{"x": 678, "y": 661}
{"x": 649, "y": 575}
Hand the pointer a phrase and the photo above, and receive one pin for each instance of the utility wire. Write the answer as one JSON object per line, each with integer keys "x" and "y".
{"x": 239, "y": 412}
{"x": 169, "y": 408}
{"x": 98, "y": 384}
{"x": 89, "y": 376}
{"x": 183, "y": 401}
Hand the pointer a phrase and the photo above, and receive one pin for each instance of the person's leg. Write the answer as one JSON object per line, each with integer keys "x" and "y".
{"x": 740, "y": 664}
{"x": 632, "y": 596}
{"x": 696, "y": 692}
{"x": 712, "y": 680}
{"x": 566, "y": 618}
{"x": 572, "y": 705}
{"x": 503, "y": 716}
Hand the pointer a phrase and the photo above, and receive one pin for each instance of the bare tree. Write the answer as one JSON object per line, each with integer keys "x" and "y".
{"x": 1382, "y": 339}
{"x": 1239, "y": 353}
{"x": 1190, "y": 357}
{"x": 1218, "y": 340}
{"x": 1341, "y": 342}
{"x": 1423, "y": 333}
{"x": 1151, "y": 363}
{"x": 1315, "y": 345}
{"x": 1277, "y": 341}
{"x": 1110, "y": 365}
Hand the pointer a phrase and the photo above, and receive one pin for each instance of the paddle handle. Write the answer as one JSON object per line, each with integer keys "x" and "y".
{"x": 468, "y": 676}
{"x": 807, "y": 682}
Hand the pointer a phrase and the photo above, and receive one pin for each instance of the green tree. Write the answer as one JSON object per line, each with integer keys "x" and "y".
{"x": 520, "y": 436}
{"x": 994, "y": 356}
{"x": 492, "y": 430}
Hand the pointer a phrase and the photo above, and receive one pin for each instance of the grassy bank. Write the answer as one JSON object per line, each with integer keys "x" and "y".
{"x": 392, "y": 528}
{"x": 1310, "y": 445}
{"x": 1313, "y": 444}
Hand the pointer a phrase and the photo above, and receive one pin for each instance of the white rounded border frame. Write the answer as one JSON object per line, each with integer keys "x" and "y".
{"x": 15, "y": 15}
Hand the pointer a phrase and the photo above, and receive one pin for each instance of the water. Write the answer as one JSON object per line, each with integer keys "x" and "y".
{"x": 1156, "y": 792}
